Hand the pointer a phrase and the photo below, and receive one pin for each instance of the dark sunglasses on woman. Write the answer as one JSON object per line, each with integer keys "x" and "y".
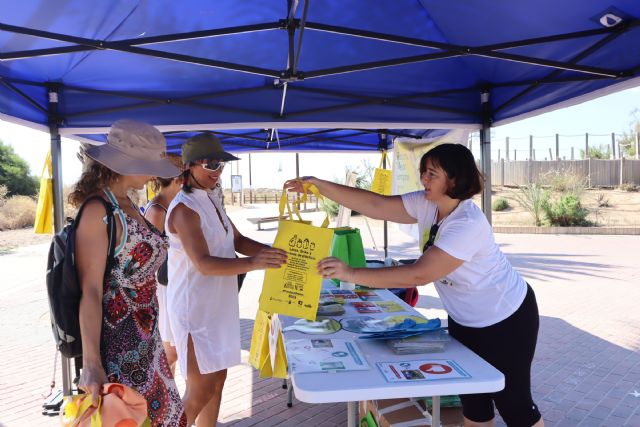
{"x": 213, "y": 165}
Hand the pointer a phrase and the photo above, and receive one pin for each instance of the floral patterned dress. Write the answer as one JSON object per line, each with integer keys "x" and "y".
{"x": 131, "y": 347}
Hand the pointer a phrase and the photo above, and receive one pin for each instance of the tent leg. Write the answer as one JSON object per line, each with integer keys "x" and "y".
{"x": 485, "y": 155}
{"x": 58, "y": 205}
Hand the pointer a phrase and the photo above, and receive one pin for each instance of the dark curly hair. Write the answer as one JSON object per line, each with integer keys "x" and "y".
{"x": 458, "y": 163}
{"x": 95, "y": 177}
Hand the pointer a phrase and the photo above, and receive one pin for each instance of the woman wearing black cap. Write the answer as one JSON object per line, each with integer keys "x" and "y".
{"x": 203, "y": 269}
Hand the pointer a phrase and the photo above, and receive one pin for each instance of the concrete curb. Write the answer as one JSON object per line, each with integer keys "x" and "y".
{"x": 633, "y": 231}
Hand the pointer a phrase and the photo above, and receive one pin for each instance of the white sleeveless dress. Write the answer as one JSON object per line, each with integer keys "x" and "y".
{"x": 204, "y": 306}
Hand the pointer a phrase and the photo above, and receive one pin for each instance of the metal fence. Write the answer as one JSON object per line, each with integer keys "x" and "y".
{"x": 599, "y": 173}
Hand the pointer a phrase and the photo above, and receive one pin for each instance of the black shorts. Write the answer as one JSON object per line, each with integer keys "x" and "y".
{"x": 509, "y": 346}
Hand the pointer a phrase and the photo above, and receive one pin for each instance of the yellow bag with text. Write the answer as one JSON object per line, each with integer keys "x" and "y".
{"x": 294, "y": 288}
{"x": 382, "y": 178}
{"x": 260, "y": 353}
{"x": 44, "y": 210}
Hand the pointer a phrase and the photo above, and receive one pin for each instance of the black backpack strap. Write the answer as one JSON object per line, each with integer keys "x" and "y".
{"x": 111, "y": 226}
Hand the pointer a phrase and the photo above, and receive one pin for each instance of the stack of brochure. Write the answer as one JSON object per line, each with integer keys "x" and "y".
{"x": 428, "y": 342}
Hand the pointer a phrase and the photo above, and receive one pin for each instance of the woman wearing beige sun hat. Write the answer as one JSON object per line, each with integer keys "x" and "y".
{"x": 203, "y": 292}
{"x": 118, "y": 307}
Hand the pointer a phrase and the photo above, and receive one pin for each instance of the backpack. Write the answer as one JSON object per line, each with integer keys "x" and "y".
{"x": 63, "y": 286}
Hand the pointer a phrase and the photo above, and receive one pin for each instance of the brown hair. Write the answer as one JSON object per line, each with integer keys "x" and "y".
{"x": 458, "y": 163}
{"x": 95, "y": 177}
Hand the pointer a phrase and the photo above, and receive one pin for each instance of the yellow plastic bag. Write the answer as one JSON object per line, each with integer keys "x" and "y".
{"x": 382, "y": 178}
{"x": 44, "y": 210}
{"x": 294, "y": 288}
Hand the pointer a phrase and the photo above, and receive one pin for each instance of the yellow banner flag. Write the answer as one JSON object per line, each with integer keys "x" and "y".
{"x": 44, "y": 210}
{"x": 382, "y": 178}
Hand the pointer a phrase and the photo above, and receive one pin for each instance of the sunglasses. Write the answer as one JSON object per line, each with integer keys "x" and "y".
{"x": 213, "y": 165}
{"x": 433, "y": 231}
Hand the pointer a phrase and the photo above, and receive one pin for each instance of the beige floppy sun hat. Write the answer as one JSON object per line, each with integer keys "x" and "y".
{"x": 134, "y": 148}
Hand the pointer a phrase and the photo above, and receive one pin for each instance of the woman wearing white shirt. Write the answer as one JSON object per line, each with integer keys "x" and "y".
{"x": 491, "y": 308}
{"x": 203, "y": 270}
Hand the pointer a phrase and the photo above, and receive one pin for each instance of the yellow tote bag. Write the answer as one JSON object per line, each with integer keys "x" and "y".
{"x": 259, "y": 339}
{"x": 294, "y": 288}
{"x": 382, "y": 178}
{"x": 260, "y": 353}
{"x": 44, "y": 210}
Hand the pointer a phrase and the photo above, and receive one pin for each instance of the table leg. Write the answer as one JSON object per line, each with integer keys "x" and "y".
{"x": 352, "y": 414}
{"x": 435, "y": 411}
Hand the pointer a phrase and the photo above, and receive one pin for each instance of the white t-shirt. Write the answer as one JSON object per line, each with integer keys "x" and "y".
{"x": 485, "y": 289}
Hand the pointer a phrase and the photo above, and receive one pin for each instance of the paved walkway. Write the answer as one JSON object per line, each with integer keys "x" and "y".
{"x": 586, "y": 371}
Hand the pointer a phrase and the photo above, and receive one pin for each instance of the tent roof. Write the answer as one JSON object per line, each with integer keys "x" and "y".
{"x": 251, "y": 64}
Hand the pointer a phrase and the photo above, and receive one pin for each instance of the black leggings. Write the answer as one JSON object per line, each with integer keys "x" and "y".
{"x": 509, "y": 346}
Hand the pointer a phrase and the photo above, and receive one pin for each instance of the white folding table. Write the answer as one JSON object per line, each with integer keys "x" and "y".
{"x": 354, "y": 386}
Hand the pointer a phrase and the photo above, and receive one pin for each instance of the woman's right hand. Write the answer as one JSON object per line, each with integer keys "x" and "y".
{"x": 269, "y": 258}
{"x": 296, "y": 184}
{"x": 91, "y": 380}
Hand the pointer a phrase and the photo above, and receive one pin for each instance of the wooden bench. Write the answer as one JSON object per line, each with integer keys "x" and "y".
{"x": 262, "y": 220}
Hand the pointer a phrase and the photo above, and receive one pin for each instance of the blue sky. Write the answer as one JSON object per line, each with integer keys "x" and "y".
{"x": 600, "y": 117}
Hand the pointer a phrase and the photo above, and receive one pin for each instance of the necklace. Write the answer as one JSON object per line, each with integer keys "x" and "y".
{"x": 435, "y": 226}
{"x": 226, "y": 229}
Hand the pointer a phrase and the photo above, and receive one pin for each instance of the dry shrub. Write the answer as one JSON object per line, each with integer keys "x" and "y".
{"x": 17, "y": 212}
{"x": 3, "y": 194}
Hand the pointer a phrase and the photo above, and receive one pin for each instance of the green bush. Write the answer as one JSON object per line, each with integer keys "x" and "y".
{"x": 14, "y": 173}
{"x": 330, "y": 207}
{"x": 500, "y": 204}
{"x": 566, "y": 211}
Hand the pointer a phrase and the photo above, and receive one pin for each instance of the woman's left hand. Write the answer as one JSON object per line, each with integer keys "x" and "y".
{"x": 334, "y": 268}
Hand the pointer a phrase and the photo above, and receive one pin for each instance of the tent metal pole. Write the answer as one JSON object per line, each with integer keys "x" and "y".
{"x": 485, "y": 153}
{"x": 383, "y": 144}
{"x": 58, "y": 206}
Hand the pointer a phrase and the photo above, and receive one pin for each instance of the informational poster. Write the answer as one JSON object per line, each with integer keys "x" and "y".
{"x": 236, "y": 183}
{"x": 421, "y": 370}
{"x": 294, "y": 288}
{"x": 324, "y": 355}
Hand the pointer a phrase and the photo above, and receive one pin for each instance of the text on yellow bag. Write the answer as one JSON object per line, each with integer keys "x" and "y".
{"x": 382, "y": 178}
{"x": 294, "y": 288}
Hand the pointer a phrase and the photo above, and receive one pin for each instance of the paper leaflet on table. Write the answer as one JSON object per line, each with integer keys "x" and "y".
{"x": 421, "y": 370}
{"x": 324, "y": 355}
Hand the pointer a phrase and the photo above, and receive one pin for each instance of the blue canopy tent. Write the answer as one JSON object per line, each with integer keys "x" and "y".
{"x": 73, "y": 67}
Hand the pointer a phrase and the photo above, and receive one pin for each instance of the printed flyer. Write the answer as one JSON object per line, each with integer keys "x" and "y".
{"x": 421, "y": 370}
{"x": 324, "y": 355}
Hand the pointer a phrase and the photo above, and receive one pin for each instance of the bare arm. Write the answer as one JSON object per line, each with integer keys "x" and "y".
{"x": 366, "y": 202}
{"x": 432, "y": 265}
{"x": 92, "y": 245}
{"x": 156, "y": 216}
{"x": 186, "y": 223}
{"x": 245, "y": 245}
